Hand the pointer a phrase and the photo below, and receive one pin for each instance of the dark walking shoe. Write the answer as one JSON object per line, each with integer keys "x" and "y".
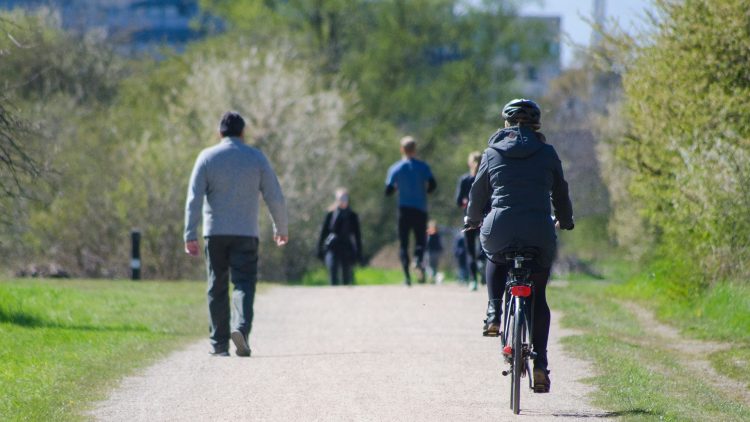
{"x": 219, "y": 352}
{"x": 240, "y": 342}
{"x": 492, "y": 323}
{"x": 541, "y": 380}
{"x": 407, "y": 282}
{"x": 421, "y": 273}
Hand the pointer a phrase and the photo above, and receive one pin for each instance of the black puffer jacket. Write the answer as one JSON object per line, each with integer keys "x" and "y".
{"x": 347, "y": 242}
{"x": 518, "y": 173}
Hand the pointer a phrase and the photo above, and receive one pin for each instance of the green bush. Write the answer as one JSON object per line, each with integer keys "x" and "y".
{"x": 688, "y": 140}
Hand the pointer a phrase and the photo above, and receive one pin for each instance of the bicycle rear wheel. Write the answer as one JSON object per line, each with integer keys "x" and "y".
{"x": 508, "y": 341}
{"x": 518, "y": 363}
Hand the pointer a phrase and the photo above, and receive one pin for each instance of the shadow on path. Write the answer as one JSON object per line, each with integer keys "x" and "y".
{"x": 615, "y": 414}
{"x": 576, "y": 414}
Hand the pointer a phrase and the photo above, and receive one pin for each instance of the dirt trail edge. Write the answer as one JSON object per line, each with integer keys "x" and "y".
{"x": 690, "y": 353}
{"x": 380, "y": 353}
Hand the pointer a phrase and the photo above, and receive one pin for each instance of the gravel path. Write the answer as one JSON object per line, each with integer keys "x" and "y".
{"x": 380, "y": 353}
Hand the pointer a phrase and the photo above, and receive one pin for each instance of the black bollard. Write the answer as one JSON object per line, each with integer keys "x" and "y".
{"x": 135, "y": 255}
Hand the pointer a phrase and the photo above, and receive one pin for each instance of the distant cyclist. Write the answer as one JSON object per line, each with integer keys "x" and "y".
{"x": 519, "y": 173}
{"x": 462, "y": 200}
{"x": 413, "y": 180}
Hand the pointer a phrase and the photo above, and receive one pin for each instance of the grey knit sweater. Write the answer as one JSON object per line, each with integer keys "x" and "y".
{"x": 231, "y": 176}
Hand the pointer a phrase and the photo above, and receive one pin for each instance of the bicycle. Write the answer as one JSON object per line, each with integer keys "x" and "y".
{"x": 516, "y": 337}
{"x": 519, "y": 310}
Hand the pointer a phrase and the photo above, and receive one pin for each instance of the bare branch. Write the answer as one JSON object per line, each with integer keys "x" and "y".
{"x": 18, "y": 44}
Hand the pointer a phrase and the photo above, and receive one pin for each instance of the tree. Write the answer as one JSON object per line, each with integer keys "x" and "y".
{"x": 570, "y": 123}
{"x": 16, "y": 163}
{"x": 59, "y": 86}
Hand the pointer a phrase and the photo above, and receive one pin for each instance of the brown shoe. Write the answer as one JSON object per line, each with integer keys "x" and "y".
{"x": 492, "y": 323}
{"x": 491, "y": 329}
{"x": 541, "y": 380}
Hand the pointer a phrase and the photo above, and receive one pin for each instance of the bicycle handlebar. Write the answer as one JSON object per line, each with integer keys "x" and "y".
{"x": 469, "y": 228}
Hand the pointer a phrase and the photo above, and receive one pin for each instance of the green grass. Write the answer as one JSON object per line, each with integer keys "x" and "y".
{"x": 734, "y": 363}
{"x": 720, "y": 312}
{"x": 64, "y": 343}
{"x": 637, "y": 378}
{"x": 362, "y": 276}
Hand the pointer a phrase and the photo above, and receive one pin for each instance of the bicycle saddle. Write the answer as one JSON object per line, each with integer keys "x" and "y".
{"x": 528, "y": 253}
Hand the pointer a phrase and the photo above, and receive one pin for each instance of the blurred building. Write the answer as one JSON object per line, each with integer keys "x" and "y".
{"x": 132, "y": 25}
{"x": 534, "y": 76}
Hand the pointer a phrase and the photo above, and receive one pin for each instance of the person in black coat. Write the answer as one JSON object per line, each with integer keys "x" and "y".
{"x": 340, "y": 243}
{"x": 462, "y": 200}
{"x": 519, "y": 173}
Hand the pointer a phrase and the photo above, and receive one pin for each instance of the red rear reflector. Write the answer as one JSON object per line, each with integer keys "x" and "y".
{"x": 507, "y": 350}
{"x": 520, "y": 291}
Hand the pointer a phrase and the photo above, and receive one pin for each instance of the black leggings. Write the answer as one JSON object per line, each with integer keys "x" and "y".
{"x": 411, "y": 220}
{"x": 496, "y": 278}
{"x": 470, "y": 237}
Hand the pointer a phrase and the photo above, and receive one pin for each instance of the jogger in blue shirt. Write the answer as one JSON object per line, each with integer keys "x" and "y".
{"x": 413, "y": 180}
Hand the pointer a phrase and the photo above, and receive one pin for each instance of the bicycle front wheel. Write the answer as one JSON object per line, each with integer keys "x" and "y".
{"x": 518, "y": 363}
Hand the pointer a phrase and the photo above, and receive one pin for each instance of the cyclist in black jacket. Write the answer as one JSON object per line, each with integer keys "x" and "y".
{"x": 519, "y": 172}
{"x": 340, "y": 242}
{"x": 462, "y": 200}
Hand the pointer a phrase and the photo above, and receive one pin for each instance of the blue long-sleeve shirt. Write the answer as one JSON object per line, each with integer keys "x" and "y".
{"x": 226, "y": 184}
{"x": 414, "y": 180}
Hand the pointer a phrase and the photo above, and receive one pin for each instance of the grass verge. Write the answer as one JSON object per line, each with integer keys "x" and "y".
{"x": 64, "y": 343}
{"x": 720, "y": 312}
{"x": 362, "y": 276}
{"x": 637, "y": 378}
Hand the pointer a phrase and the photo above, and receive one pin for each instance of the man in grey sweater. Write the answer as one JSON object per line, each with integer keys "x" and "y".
{"x": 231, "y": 176}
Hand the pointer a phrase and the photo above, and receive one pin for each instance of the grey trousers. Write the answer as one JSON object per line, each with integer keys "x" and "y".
{"x": 433, "y": 262}
{"x": 333, "y": 263}
{"x": 236, "y": 256}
